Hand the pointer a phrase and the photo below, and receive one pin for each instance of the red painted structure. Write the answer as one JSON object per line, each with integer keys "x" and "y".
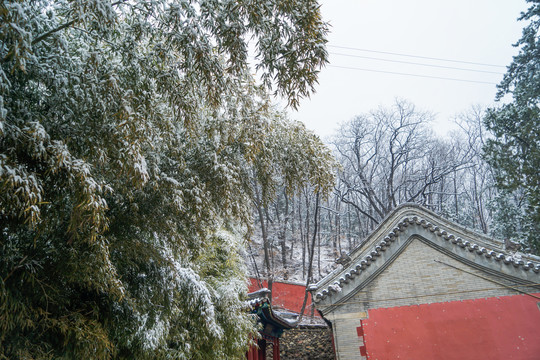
{"x": 497, "y": 328}
{"x": 285, "y": 295}
{"x": 272, "y": 323}
{"x": 259, "y": 352}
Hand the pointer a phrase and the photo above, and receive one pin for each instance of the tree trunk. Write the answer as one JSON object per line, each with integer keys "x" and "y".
{"x": 266, "y": 245}
{"x": 283, "y": 233}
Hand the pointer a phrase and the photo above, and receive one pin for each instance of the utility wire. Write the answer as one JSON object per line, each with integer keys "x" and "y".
{"x": 415, "y": 63}
{"x": 409, "y": 74}
{"x": 488, "y": 279}
{"x": 514, "y": 287}
{"x": 416, "y": 56}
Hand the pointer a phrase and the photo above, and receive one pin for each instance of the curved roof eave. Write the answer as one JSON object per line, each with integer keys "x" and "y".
{"x": 410, "y": 220}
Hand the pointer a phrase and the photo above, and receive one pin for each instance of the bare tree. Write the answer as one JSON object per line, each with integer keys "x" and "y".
{"x": 389, "y": 157}
{"x": 477, "y": 181}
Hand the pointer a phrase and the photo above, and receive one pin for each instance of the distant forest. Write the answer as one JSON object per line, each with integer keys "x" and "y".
{"x": 385, "y": 158}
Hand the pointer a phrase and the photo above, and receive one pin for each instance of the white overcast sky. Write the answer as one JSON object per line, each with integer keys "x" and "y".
{"x": 479, "y": 31}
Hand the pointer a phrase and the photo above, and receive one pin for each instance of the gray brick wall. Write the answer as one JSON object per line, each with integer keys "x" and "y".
{"x": 416, "y": 278}
{"x": 346, "y": 338}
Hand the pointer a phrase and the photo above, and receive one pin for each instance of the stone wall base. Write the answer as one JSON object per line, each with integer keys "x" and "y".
{"x": 307, "y": 344}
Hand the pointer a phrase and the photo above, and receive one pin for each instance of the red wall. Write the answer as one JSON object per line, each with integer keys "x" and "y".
{"x": 287, "y": 296}
{"x": 505, "y": 327}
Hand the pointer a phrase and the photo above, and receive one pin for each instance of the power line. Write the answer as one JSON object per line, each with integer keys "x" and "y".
{"x": 416, "y": 56}
{"x": 513, "y": 287}
{"x": 408, "y": 74}
{"x": 415, "y": 63}
{"x": 488, "y": 279}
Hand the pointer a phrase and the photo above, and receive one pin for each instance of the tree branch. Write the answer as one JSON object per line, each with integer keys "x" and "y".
{"x": 50, "y": 32}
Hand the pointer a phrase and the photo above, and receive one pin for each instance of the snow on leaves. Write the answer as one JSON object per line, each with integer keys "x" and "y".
{"x": 127, "y": 129}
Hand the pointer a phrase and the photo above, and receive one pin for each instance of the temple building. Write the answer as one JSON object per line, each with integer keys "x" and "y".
{"x": 422, "y": 287}
{"x": 272, "y": 326}
{"x": 281, "y": 336}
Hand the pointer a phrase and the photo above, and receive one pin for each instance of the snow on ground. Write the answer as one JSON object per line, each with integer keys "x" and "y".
{"x": 323, "y": 260}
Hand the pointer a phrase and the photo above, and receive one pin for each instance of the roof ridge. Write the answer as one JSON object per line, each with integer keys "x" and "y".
{"x": 410, "y": 210}
{"x": 413, "y": 209}
{"x": 372, "y": 252}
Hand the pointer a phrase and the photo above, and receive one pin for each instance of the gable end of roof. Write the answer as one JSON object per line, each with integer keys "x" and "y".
{"x": 454, "y": 242}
